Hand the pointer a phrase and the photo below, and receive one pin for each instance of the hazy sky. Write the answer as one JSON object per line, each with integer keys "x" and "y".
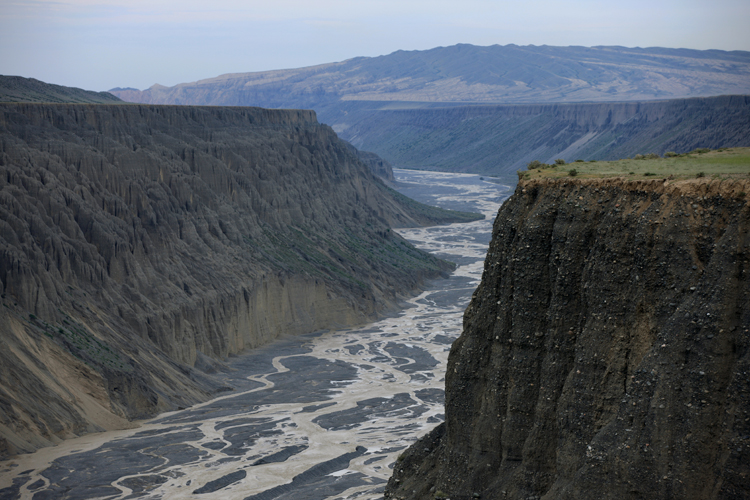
{"x": 100, "y": 44}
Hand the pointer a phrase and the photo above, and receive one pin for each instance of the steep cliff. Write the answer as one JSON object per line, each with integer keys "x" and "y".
{"x": 140, "y": 244}
{"x": 605, "y": 353}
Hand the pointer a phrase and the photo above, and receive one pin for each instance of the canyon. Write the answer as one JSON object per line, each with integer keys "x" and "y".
{"x": 140, "y": 246}
{"x": 320, "y": 415}
{"x": 146, "y": 248}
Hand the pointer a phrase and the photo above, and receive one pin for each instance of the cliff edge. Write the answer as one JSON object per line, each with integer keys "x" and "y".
{"x": 605, "y": 353}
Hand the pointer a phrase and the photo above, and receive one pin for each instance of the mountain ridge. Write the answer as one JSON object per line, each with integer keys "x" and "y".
{"x": 466, "y": 73}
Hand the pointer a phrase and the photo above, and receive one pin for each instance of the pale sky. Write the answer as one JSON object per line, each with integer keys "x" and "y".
{"x": 101, "y": 44}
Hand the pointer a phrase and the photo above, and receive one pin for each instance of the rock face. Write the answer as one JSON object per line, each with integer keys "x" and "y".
{"x": 141, "y": 244}
{"x": 606, "y": 352}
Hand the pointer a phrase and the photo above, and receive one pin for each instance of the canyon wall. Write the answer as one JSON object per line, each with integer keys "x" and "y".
{"x": 606, "y": 352}
{"x": 141, "y": 245}
{"x": 501, "y": 139}
{"x": 469, "y": 74}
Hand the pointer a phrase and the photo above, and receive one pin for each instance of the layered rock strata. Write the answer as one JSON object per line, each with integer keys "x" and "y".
{"x": 606, "y": 352}
{"x": 141, "y": 244}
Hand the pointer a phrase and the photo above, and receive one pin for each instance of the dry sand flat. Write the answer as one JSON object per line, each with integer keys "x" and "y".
{"x": 319, "y": 416}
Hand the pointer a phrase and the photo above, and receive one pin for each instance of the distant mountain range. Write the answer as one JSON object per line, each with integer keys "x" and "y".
{"x": 463, "y": 74}
{"x": 421, "y": 108}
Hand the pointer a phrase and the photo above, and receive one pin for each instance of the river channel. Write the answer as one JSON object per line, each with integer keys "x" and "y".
{"x": 321, "y": 416}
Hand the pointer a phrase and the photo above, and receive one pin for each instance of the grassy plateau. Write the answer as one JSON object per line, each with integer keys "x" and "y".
{"x": 720, "y": 163}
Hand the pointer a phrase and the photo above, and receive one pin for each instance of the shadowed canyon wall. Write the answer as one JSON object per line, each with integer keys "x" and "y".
{"x": 606, "y": 352}
{"x": 141, "y": 244}
{"x": 504, "y": 138}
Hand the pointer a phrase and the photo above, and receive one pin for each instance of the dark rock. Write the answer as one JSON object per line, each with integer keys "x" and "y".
{"x": 624, "y": 396}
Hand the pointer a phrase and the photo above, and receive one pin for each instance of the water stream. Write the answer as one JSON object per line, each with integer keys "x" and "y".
{"x": 322, "y": 416}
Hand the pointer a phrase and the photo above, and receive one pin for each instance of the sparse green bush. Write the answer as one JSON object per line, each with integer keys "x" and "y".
{"x": 700, "y": 174}
{"x": 670, "y": 154}
{"x": 32, "y": 317}
{"x": 631, "y": 173}
{"x": 572, "y": 172}
{"x": 649, "y": 173}
{"x": 639, "y": 157}
{"x": 559, "y": 161}
{"x": 652, "y": 156}
{"x": 578, "y": 161}
{"x": 700, "y": 151}
{"x": 534, "y": 164}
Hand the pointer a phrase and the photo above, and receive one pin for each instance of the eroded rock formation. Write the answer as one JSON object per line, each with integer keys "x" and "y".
{"x": 606, "y": 352}
{"x": 141, "y": 244}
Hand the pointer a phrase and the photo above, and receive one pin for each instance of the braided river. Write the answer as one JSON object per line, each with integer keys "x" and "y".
{"x": 319, "y": 416}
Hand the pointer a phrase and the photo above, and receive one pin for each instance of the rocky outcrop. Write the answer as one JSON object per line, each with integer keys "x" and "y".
{"x": 605, "y": 353}
{"x": 140, "y": 242}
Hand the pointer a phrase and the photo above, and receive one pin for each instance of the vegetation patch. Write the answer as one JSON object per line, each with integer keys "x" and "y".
{"x": 702, "y": 162}
{"x": 81, "y": 343}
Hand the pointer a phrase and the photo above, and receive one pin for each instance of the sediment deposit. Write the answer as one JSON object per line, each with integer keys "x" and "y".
{"x": 605, "y": 353}
{"x": 140, "y": 245}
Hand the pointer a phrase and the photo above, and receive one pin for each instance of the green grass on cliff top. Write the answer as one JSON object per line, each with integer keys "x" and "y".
{"x": 729, "y": 162}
